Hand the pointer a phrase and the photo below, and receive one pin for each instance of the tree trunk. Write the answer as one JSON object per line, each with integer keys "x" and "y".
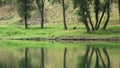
{"x": 64, "y": 61}
{"x": 86, "y": 23}
{"x": 42, "y": 15}
{"x": 41, "y": 10}
{"x": 64, "y": 15}
{"x": 103, "y": 13}
{"x": 91, "y": 23}
{"x": 108, "y": 15}
{"x": 87, "y": 26}
{"x": 25, "y": 17}
{"x": 96, "y": 20}
{"x": 96, "y": 12}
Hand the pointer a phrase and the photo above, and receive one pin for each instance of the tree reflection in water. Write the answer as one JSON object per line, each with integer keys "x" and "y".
{"x": 42, "y": 58}
{"x": 64, "y": 61}
{"x": 25, "y": 62}
{"x": 89, "y": 59}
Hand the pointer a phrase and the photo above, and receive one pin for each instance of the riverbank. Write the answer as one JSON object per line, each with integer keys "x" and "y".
{"x": 69, "y": 38}
{"x": 56, "y": 32}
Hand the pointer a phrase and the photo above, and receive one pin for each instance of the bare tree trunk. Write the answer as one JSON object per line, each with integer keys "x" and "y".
{"x": 103, "y": 12}
{"x": 64, "y": 15}
{"x": 64, "y": 61}
{"x": 41, "y": 10}
{"x": 25, "y": 17}
{"x": 96, "y": 20}
{"x": 91, "y": 23}
{"x": 96, "y": 12}
{"x": 108, "y": 15}
{"x": 42, "y": 15}
{"x": 87, "y": 26}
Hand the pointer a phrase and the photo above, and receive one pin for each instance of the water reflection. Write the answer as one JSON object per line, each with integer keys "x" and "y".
{"x": 99, "y": 58}
{"x": 89, "y": 57}
{"x": 42, "y": 58}
{"x": 25, "y": 62}
{"x": 64, "y": 61}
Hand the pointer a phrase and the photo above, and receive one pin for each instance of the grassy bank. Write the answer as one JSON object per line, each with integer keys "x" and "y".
{"x": 53, "y": 44}
{"x": 17, "y": 31}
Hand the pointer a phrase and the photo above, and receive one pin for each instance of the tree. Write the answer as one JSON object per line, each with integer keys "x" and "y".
{"x": 85, "y": 11}
{"x": 64, "y": 15}
{"x": 2, "y": 2}
{"x": 24, "y": 10}
{"x": 96, "y": 10}
{"x": 64, "y": 7}
{"x": 108, "y": 14}
{"x": 40, "y": 4}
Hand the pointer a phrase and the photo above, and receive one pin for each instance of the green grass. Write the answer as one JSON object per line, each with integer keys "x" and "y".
{"x": 54, "y": 44}
{"x": 17, "y": 31}
{"x": 11, "y": 28}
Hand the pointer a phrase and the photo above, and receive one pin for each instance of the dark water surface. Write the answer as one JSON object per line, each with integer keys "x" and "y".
{"x": 80, "y": 56}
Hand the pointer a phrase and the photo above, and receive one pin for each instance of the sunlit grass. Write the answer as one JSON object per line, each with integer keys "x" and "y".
{"x": 18, "y": 31}
{"x": 54, "y": 44}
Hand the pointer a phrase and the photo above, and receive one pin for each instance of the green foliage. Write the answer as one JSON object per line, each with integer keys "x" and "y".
{"x": 83, "y": 9}
{"x": 97, "y": 5}
{"x": 8, "y": 1}
{"x": 1, "y": 1}
{"x": 21, "y": 8}
{"x": 4, "y": 1}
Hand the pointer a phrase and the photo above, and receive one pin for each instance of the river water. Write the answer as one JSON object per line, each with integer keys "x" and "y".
{"x": 60, "y": 54}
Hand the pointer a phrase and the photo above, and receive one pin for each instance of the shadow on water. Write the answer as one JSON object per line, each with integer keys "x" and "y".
{"x": 97, "y": 55}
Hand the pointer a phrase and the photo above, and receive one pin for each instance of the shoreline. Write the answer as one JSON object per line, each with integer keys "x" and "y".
{"x": 67, "y": 38}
